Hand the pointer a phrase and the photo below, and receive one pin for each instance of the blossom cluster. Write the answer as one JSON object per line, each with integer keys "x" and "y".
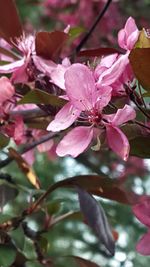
{"x": 87, "y": 90}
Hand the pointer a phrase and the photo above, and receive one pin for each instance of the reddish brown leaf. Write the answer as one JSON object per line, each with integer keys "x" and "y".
{"x": 84, "y": 263}
{"x": 25, "y": 167}
{"x": 98, "y": 52}
{"x": 49, "y": 44}
{"x": 10, "y": 25}
{"x": 100, "y": 186}
{"x": 140, "y": 61}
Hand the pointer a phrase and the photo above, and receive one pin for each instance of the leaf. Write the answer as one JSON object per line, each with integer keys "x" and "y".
{"x": 143, "y": 40}
{"x": 75, "y": 32}
{"x": 7, "y": 193}
{"x": 37, "y": 96}
{"x": 49, "y": 44}
{"x": 97, "y": 52}
{"x": 84, "y": 263}
{"x": 25, "y": 167}
{"x": 10, "y": 26}
{"x": 140, "y": 147}
{"x": 140, "y": 62}
{"x": 7, "y": 255}
{"x": 4, "y": 140}
{"x": 99, "y": 186}
{"x": 52, "y": 207}
{"x": 96, "y": 219}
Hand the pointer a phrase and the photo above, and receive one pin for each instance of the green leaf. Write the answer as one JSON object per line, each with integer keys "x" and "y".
{"x": 76, "y": 32}
{"x": 37, "y": 96}
{"x": 4, "y": 140}
{"x": 7, "y": 255}
{"x": 143, "y": 41}
{"x": 140, "y": 147}
{"x": 52, "y": 207}
{"x": 140, "y": 62}
{"x": 7, "y": 192}
{"x": 33, "y": 264}
{"x": 18, "y": 238}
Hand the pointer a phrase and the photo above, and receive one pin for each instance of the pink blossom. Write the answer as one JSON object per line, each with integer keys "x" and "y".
{"x": 86, "y": 103}
{"x": 18, "y": 68}
{"x": 128, "y": 36}
{"x": 142, "y": 212}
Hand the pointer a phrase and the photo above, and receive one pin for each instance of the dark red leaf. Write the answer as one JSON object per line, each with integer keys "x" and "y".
{"x": 98, "y": 52}
{"x": 49, "y": 44}
{"x": 96, "y": 219}
{"x": 84, "y": 263}
{"x": 100, "y": 186}
{"x": 10, "y": 25}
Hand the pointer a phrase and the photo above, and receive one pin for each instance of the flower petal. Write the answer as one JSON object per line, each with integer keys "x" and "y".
{"x": 123, "y": 115}
{"x": 80, "y": 86}
{"x": 117, "y": 141}
{"x": 64, "y": 118}
{"x": 142, "y": 211}
{"x": 75, "y": 142}
{"x": 11, "y": 67}
{"x": 143, "y": 246}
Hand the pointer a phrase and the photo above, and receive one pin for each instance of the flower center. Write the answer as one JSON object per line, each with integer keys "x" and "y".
{"x": 94, "y": 116}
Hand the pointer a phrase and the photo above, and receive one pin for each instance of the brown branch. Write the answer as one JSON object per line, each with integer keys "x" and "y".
{"x": 28, "y": 147}
{"x": 88, "y": 34}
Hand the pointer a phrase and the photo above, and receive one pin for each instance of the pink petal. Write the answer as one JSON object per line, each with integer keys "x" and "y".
{"x": 64, "y": 118}
{"x": 11, "y": 67}
{"x": 75, "y": 142}
{"x": 123, "y": 115}
{"x": 129, "y": 35}
{"x": 143, "y": 246}
{"x": 142, "y": 211}
{"x": 117, "y": 141}
{"x": 6, "y": 89}
{"x": 80, "y": 86}
{"x": 103, "y": 97}
{"x": 113, "y": 73}
{"x": 44, "y": 65}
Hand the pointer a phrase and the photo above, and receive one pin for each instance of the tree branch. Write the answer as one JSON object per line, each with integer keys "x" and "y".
{"x": 88, "y": 34}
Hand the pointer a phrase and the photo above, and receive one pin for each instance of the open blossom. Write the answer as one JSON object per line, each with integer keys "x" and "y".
{"x": 142, "y": 212}
{"x": 86, "y": 103}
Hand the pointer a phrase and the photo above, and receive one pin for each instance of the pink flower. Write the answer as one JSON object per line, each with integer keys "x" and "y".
{"x": 142, "y": 212}
{"x": 128, "y": 36}
{"x": 6, "y": 90}
{"x": 19, "y": 68}
{"x": 86, "y": 103}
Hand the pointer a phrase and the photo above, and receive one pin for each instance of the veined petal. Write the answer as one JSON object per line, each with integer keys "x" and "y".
{"x": 143, "y": 246}
{"x": 123, "y": 115}
{"x": 117, "y": 141}
{"x": 113, "y": 73}
{"x": 75, "y": 142}
{"x": 103, "y": 97}
{"x": 142, "y": 211}
{"x": 80, "y": 86}
{"x": 64, "y": 118}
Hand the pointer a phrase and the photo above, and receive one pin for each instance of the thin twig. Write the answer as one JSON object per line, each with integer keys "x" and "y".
{"x": 27, "y": 148}
{"x": 141, "y": 124}
{"x": 88, "y": 34}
